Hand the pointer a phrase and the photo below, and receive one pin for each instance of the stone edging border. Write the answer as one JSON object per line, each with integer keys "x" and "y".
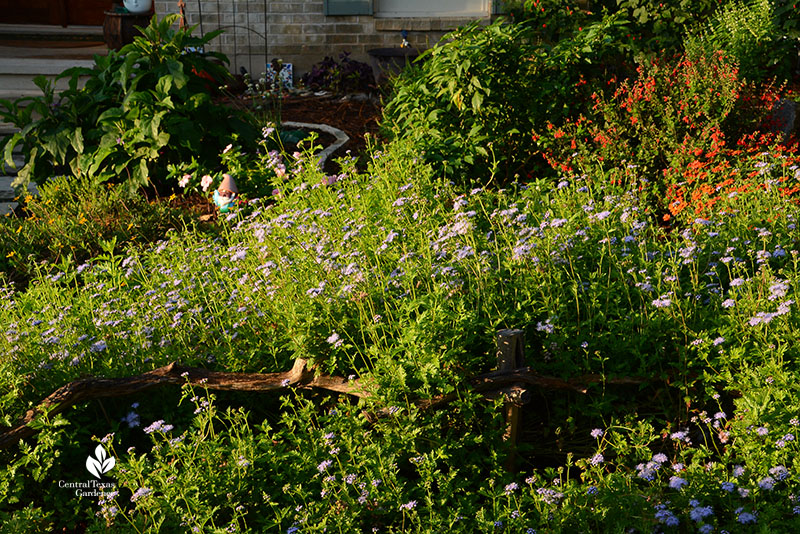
{"x": 341, "y": 137}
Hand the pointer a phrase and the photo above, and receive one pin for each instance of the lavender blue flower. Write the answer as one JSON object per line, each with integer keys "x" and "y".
{"x": 745, "y": 517}
{"x": 766, "y": 483}
{"x": 140, "y": 493}
{"x": 158, "y": 426}
{"x": 662, "y": 302}
{"x": 699, "y": 513}
{"x": 779, "y": 472}
{"x": 676, "y": 482}
{"x": 410, "y": 505}
{"x": 665, "y": 516}
{"x": 335, "y": 340}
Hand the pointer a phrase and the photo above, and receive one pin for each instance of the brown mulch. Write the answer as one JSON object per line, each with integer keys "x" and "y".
{"x": 355, "y": 118}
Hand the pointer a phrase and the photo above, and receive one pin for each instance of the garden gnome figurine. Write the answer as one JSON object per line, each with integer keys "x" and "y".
{"x": 225, "y": 193}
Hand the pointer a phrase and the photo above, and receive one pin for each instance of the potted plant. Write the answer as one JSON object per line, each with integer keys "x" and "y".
{"x": 119, "y": 26}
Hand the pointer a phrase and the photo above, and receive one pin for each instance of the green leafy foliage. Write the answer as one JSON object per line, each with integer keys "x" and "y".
{"x": 656, "y": 28}
{"x": 470, "y": 103}
{"x": 70, "y": 219}
{"x": 751, "y": 35}
{"x": 141, "y": 109}
{"x": 661, "y": 26}
{"x": 462, "y": 103}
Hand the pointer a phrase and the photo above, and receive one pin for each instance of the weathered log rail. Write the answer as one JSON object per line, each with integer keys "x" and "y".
{"x": 511, "y": 382}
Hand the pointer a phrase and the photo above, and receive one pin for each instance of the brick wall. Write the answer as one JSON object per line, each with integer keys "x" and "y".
{"x": 296, "y": 31}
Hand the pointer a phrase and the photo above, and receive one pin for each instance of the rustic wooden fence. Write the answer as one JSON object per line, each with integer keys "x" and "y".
{"x": 512, "y": 382}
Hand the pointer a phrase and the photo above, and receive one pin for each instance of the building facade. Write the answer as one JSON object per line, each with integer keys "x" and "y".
{"x": 303, "y": 32}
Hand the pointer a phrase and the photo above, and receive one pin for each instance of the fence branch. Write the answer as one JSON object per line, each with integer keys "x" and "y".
{"x": 490, "y": 385}
{"x": 96, "y": 388}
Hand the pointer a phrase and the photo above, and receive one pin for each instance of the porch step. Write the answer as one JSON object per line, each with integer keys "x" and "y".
{"x": 7, "y": 196}
{"x": 44, "y": 32}
{"x": 17, "y": 74}
{"x": 8, "y": 173}
{"x": 27, "y": 51}
{"x": 8, "y": 170}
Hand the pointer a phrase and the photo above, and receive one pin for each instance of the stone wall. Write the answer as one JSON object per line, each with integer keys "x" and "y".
{"x": 297, "y": 31}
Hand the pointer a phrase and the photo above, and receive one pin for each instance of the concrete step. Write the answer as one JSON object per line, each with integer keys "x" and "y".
{"x": 17, "y": 74}
{"x": 28, "y": 31}
{"x": 19, "y": 162}
{"x": 6, "y": 191}
{"x": 7, "y": 128}
{"x": 7, "y": 207}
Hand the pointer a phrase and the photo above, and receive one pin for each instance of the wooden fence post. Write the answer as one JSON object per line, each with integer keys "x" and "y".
{"x": 510, "y": 356}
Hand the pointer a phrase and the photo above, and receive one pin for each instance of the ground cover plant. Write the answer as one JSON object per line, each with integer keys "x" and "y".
{"x": 673, "y": 313}
{"x": 74, "y": 219}
{"x": 369, "y": 276}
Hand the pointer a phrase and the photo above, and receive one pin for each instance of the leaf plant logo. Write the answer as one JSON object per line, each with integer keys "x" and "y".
{"x": 103, "y": 463}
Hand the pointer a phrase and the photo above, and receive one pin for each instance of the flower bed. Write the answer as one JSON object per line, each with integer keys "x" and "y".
{"x": 679, "y": 322}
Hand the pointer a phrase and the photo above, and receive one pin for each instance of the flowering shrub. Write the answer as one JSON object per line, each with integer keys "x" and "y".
{"x": 663, "y": 133}
{"x": 704, "y": 186}
{"x": 70, "y": 218}
{"x": 656, "y": 121}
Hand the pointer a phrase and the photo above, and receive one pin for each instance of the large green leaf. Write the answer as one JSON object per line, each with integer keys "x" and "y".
{"x": 57, "y": 145}
{"x": 111, "y": 114}
{"x": 8, "y": 156}
{"x": 77, "y": 140}
{"x": 163, "y": 86}
{"x": 176, "y": 70}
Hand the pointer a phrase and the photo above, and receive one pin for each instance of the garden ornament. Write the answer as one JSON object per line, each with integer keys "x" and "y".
{"x": 405, "y": 43}
{"x": 226, "y": 193}
{"x": 138, "y": 6}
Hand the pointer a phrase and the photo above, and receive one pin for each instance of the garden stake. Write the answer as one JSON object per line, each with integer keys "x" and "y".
{"x": 182, "y": 10}
{"x": 510, "y": 356}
